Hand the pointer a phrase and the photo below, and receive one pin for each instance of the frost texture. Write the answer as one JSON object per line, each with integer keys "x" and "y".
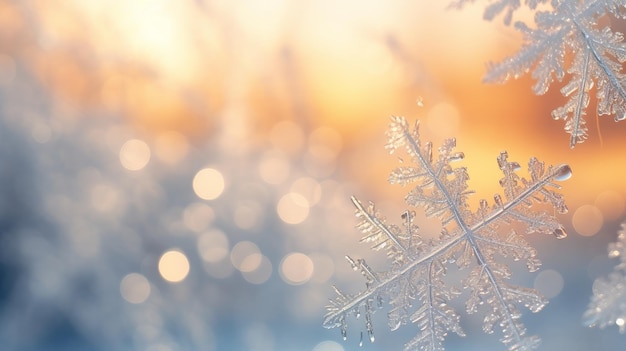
{"x": 414, "y": 285}
{"x": 573, "y": 28}
{"x": 608, "y": 303}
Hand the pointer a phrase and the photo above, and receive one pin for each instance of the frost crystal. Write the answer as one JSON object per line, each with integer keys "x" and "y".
{"x": 598, "y": 53}
{"x": 608, "y": 303}
{"x": 414, "y": 285}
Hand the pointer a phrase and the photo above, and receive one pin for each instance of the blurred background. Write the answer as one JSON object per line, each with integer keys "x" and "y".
{"x": 175, "y": 175}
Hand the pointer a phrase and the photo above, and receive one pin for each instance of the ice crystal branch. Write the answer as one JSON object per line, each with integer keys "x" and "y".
{"x": 474, "y": 240}
{"x": 497, "y": 7}
{"x": 572, "y": 28}
{"x": 608, "y": 303}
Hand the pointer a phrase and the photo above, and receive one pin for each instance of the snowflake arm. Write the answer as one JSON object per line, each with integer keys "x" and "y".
{"x": 496, "y": 7}
{"x": 608, "y": 303}
{"x": 467, "y": 238}
{"x": 598, "y": 58}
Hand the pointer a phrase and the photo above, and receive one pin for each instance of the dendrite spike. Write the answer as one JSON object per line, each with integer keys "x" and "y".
{"x": 498, "y": 199}
{"x": 502, "y": 159}
{"x": 457, "y": 156}
{"x": 429, "y": 152}
{"x": 353, "y": 263}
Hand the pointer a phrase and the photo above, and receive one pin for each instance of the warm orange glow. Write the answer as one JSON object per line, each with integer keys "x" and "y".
{"x": 443, "y": 121}
{"x": 171, "y": 146}
{"x": 319, "y": 78}
{"x": 154, "y": 32}
{"x": 611, "y": 204}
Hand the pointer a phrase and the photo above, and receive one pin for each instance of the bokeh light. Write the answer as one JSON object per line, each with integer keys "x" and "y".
{"x": 174, "y": 266}
{"x": 135, "y": 288}
{"x": 549, "y": 283}
{"x": 296, "y": 268}
{"x": 134, "y": 154}
{"x": 587, "y": 220}
{"x": 208, "y": 184}
{"x": 261, "y": 272}
{"x": 213, "y": 245}
{"x": 139, "y": 140}
{"x": 245, "y": 256}
{"x": 309, "y": 188}
{"x": 293, "y": 208}
{"x": 328, "y": 345}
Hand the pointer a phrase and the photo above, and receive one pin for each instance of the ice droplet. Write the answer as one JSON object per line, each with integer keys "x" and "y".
{"x": 361, "y": 340}
{"x": 564, "y": 172}
{"x": 515, "y": 166}
{"x": 420, "y": 102}
{"x": 560, "y": 232}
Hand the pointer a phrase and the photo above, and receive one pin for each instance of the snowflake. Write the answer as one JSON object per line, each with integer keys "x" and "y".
{"x": 414, "y": 285}
{"x": 608, "y": 303}
{"x": 598, "y": 53}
